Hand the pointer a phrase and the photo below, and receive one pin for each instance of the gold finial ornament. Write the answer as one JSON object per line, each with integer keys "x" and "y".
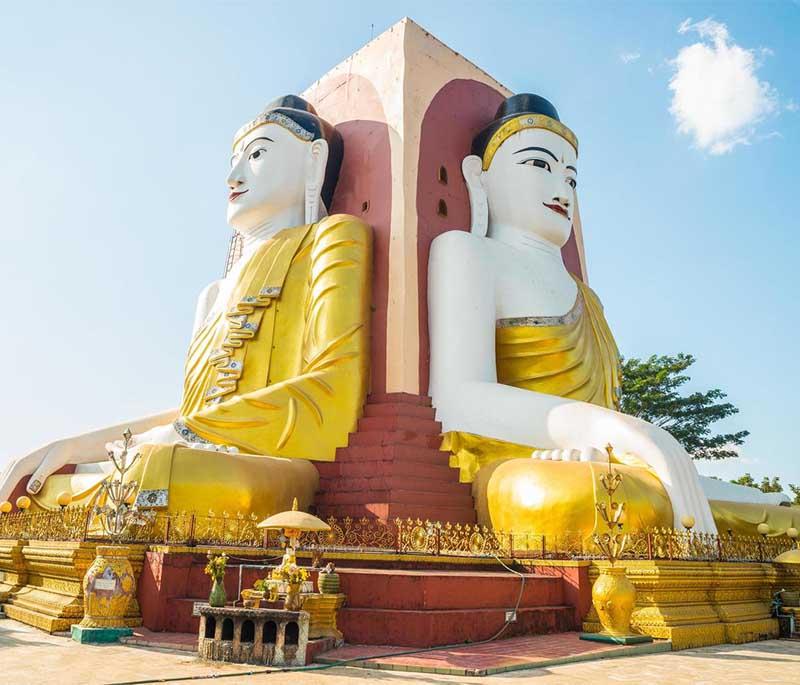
{"x": 791, "y": 532}
{"x": 119, "y": 510}
{"x": 687, "y": 521}
{"x": 6, "y": 507}
{"x": 613, "y": 594}
{"x": 64, "y": 499}
{"x": 23, "y": 502}
{"x": 763, "y": 529}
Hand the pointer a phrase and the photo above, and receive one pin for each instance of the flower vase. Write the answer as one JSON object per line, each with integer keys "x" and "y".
{"x": 293, "y": 601}
{"x": 108, "y": 587}
{"x": 614, "y": 598}
{"x": 217, "y": 598}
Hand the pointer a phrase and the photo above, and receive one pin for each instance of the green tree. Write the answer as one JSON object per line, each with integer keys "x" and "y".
{"x": 796, "y": 492}
{"x": 651, "y": 390}
{"x": 766, "y": 485}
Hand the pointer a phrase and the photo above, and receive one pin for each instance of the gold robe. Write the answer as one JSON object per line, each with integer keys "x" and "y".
{"x": 280, "y": 372}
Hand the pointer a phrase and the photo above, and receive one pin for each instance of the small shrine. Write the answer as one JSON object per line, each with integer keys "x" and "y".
{"x": 253, "y": 636}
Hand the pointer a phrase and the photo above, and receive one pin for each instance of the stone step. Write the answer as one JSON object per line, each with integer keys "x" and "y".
{"x": 400, "y": 409}
{"x": 415, "y": 628}
{"x": 390, "y": 467}
{"x": 399, "y": 397}
{"x": 399, "y": 437}
{"x": 414, "y": 424}
{"x": 389, "y": 511}
{"x": 359, "y": 454}
{"x": 453, "y": 500}
{"x": 432, "y": 589}
{"x": 415, "y": 483}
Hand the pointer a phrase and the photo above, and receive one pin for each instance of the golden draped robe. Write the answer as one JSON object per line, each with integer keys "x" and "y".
{"x": 279, "y": 372}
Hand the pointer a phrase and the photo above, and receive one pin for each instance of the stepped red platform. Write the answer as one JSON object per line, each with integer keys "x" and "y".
{"x": 406, "y": 607}
{"x": 393, "y": 468}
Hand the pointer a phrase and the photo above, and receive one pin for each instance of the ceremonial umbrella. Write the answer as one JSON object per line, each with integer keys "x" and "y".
{"x": 293, "y": 523}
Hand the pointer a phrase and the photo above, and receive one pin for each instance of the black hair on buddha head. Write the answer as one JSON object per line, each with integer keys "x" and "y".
{"x": 515, "y": 106}
{"x": 304, "y": 115}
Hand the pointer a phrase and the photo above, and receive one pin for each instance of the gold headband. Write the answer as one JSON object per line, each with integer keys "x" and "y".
{"x": 520, "y": 123}
{"x": 272, "y": 118}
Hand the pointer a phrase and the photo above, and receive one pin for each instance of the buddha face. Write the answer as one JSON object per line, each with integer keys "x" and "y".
{"x": 268, "y": 176}
{"x": 530, "y": 184}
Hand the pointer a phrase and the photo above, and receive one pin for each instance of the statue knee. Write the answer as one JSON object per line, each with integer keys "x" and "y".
{"x": 559, "y": 497}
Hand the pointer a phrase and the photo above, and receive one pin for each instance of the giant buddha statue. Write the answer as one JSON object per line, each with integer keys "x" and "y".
{"x": 524, "y": 368}
{"x": 277, "y": 369}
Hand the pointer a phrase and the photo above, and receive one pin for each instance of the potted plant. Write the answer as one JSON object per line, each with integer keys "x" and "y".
{"x": 328, "y": 580}
{"x": 216, "y": 569}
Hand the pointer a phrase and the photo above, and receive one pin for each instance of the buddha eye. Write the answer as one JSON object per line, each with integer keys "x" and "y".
{"x": 541, "y": 163}
{"x": 573, "y": 183}
{"x": 255, "y": 154}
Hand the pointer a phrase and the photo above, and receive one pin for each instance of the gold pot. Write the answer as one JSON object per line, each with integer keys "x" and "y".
{"x": 251, "y": 599}
{"x": 614, "y": 598}
{"x": 108, "y": 587}
{"x": 293, "y": 601}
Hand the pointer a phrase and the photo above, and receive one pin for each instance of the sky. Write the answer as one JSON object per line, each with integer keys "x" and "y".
{"x": 115, "y": 126}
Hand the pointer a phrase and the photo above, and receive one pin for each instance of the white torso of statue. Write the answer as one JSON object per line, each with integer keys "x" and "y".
{"x": 509, "y": 267}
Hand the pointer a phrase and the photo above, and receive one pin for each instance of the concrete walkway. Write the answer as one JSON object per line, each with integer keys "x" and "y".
{"x": 30, "y": 656}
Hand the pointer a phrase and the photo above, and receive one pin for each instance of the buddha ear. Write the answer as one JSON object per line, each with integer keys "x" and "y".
{"x": 472, "y": 168}
{"x": 316, "y": 163}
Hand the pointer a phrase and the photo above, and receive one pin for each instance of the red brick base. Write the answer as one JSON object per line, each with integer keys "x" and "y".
{"x": 392, "y": 467}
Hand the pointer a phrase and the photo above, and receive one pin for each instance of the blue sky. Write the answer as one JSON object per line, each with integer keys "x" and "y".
{"x": 115, "y": 125}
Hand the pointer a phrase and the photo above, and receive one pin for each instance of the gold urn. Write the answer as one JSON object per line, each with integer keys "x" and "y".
{"x": 108, "y": 587}
{"x": 614, "y": 598}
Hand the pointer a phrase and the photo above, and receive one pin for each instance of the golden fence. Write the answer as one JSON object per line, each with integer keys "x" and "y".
{"x": 405, "y": 536}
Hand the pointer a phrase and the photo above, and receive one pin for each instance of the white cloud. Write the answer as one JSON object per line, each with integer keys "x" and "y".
{"x": 628, "y": 57}
{"x": 717, "y": 97}
{"x": 792, "y": 106}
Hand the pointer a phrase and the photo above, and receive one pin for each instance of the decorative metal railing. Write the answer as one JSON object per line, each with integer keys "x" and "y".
{"x": 405, "y": 536}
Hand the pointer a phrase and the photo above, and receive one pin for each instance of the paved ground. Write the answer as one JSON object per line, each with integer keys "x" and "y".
{"x": 30, "y": 656}
{"x": 512, "y": 654}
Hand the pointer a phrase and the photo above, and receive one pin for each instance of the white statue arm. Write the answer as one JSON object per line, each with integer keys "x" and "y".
{"x": 467, "y": 396}
{"x": 80, "y": 449}
{"x": 205, "y": 302}
{"x": 93, "y": 446}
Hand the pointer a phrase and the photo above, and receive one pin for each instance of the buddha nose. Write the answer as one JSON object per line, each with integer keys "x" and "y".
{"x": 561, "y": 199}
{"x": 234, "y": 178}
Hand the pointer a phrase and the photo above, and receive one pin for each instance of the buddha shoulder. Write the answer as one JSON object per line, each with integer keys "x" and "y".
{"x": 459, "y": 247}
{"x": 337, "y": 227}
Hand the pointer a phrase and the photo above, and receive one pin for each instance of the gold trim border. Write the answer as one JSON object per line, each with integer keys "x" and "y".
{"x": 521, "y": 123}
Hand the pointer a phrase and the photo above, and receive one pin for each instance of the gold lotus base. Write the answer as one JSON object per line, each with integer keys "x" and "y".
{"x": 44, "y": 581}
{"x": 323, "y": 610}
{"x": 698, "y": 603}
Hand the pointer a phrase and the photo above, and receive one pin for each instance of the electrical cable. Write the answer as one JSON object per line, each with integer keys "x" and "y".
{"x": 344, "y": 662}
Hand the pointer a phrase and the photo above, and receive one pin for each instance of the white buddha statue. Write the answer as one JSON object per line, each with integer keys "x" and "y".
{"x": 524, "y": 369}
{"x": 278, "y": 364}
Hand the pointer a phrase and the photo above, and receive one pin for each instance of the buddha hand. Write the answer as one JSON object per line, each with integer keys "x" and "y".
{"x": 569, "y": 454}
{"x": 158, "y": 435}
{"x": 43, "y": 462}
